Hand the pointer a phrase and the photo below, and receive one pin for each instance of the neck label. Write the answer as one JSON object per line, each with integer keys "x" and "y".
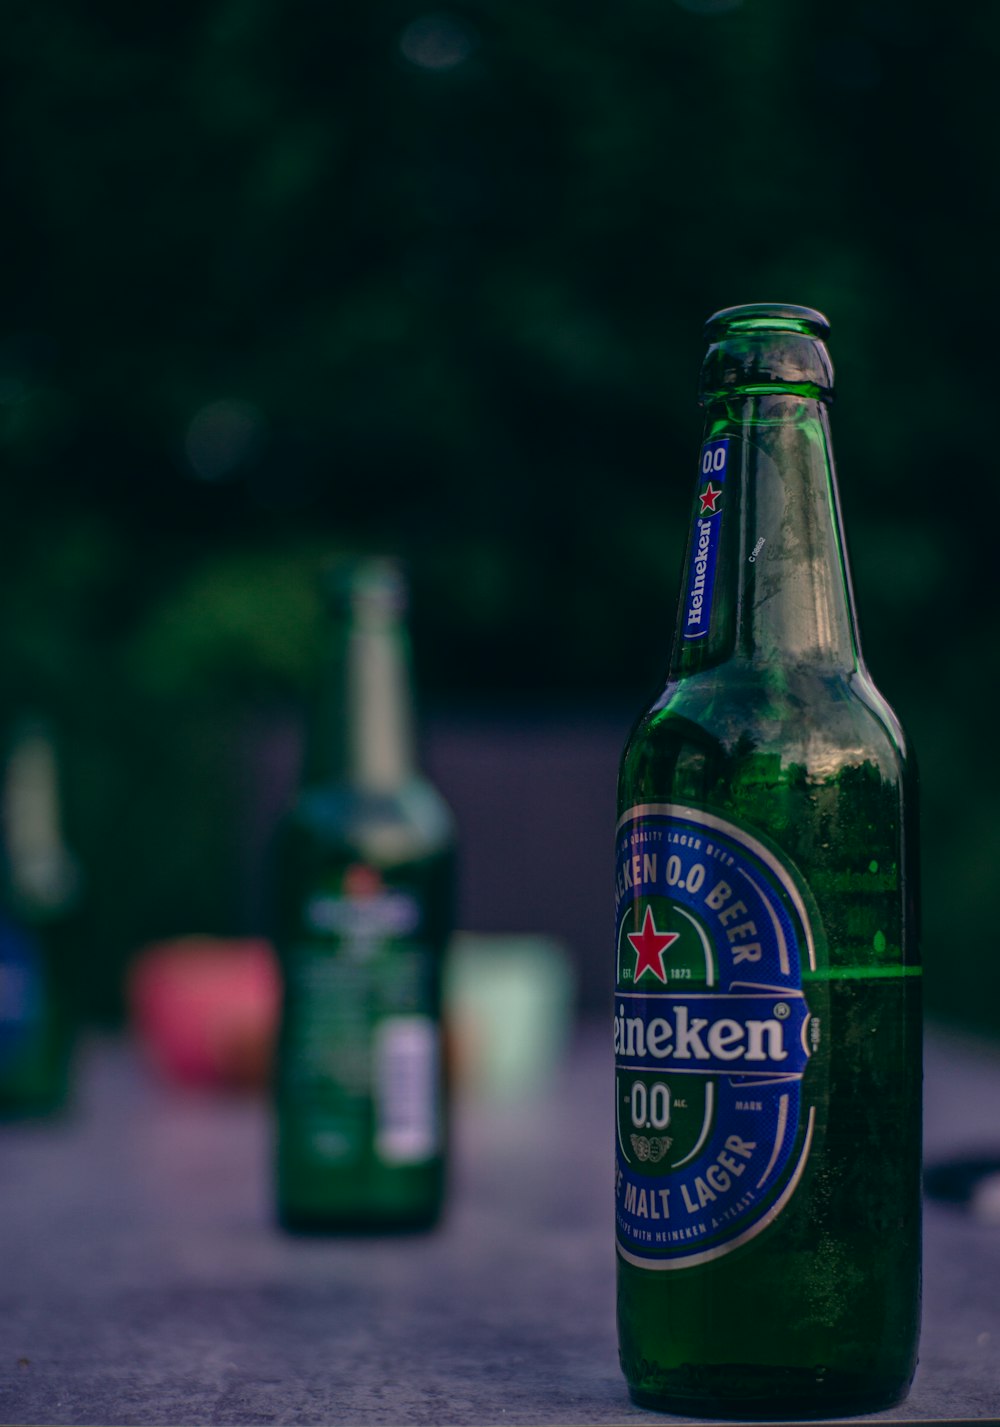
{"x": 705, "y": 540}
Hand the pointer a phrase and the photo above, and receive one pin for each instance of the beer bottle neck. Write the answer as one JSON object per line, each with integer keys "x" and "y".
{"x": 41, "y": 873}
{"x": 766, "y": 576}
{"x": 364, "y": 736}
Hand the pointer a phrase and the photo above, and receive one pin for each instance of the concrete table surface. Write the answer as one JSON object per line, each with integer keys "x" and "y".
{"x": 142, "y": 1280}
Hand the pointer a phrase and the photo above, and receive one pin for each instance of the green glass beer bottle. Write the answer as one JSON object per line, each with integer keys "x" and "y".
{"x": 767, "y": 1028}
{"x": 363, "y": 906}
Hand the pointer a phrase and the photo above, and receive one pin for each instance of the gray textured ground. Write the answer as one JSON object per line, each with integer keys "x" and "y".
{"x": 141, "y": 1280}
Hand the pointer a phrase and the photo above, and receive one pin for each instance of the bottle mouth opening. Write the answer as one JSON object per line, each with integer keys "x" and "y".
{"x": 766, "y": 347}
{"x": 767, "y": 317}
{"x": 364, "y": 585}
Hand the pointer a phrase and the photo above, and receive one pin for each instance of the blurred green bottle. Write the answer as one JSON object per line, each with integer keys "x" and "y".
{"x": 767, "y": 1012}
{"x": 364, "y": 880}
{"x": 39, "y": 891}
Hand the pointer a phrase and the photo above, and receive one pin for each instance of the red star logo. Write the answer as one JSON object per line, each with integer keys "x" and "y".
{"x": 708, "y": 498}
{"x": 649, "y": 946}
{"x": 361, "y": 881}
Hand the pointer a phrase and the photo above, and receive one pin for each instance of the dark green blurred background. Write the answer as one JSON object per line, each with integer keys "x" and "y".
{"x": 285, "y": 277}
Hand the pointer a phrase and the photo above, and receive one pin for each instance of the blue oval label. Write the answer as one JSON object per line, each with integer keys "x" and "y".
{"x": 712, "y": 1036}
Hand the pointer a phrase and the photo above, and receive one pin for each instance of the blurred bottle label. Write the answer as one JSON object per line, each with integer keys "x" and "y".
{"x": 22, "y": 990}
{"x": 366, "y": 1046}
{"x": 406, "y": 1078}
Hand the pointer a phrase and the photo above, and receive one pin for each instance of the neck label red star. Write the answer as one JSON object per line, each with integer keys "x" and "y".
{"x": 708, "y": 499}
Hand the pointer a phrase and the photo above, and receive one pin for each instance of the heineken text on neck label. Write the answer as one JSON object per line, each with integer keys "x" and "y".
{"x": 712, "y": 1036}
{"x": 705, "y": 544}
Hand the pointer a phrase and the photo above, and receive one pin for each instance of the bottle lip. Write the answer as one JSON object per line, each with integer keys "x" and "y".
{"x": 766, "y": 347}
{"x": 363, "y": 584}
{"x": 768, "y": 316}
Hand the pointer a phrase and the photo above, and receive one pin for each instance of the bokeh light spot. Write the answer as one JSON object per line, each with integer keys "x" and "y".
{"x": 222, "y": 437}
{"x": 709, "y": 7}
{"x": 436, "y": 42}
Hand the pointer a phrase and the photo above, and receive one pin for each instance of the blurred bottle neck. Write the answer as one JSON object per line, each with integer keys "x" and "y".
{"x": 41, "y": 873}
{"x": 363, "y": 735}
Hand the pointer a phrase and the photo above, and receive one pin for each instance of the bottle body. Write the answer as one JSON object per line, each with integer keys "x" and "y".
{"x": 361, "y": 1096}
{"x": 364, "y": 904}
{"x": 767, "y": 1010}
